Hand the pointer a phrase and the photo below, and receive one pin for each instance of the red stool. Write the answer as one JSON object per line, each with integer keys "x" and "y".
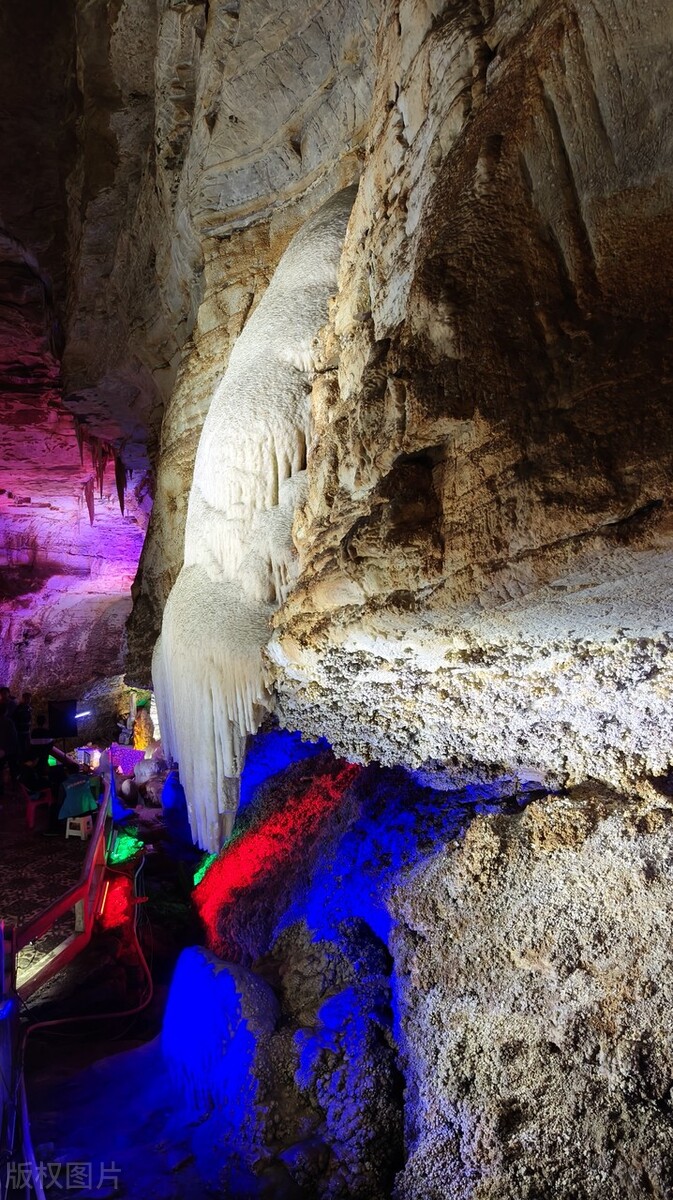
{"x": 33, "y": 803}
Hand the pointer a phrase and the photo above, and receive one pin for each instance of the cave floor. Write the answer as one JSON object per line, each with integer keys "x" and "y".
{"x": 34, "y": 869}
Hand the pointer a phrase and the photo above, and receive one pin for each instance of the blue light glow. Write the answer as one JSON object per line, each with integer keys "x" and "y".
{"x": 399, "y": 825}
{"x": 206, "y": 1043}
{"x": 210, "y": 1050}
{"x": 174, "y": 806}
{"x": 270, "y": 753}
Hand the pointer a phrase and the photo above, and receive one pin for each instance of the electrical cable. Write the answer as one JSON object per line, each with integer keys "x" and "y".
{"x": 130, "y": 1012}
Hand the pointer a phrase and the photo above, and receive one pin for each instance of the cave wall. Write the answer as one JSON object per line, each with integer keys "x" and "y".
{"x": 64, "y": 582}
{"x": 486, "y": 540}
{"x": 483, "y": 552}
{"x": 407, "y": 993}
{"x": 159, "y": 157}
{"x": 273, "y": 124}
{"x": 491, "y": 448}
{"x": 534, "y": 975}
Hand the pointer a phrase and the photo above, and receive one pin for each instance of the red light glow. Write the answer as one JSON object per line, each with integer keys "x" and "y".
{"x": 118, "y": 906}
{"x": 279, "y": 839}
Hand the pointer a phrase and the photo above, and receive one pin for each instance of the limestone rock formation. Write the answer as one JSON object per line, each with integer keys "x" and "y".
{"x": 429, "y": 992}
{"x": 491, "y": 972}
{"x": 158, "y": 158}
{"x": 64, "y": 585}
{"x": 261, "y": 113}
{"x": 239, "y": 562}
{"x": 486, "y": 538}
{"x": 218, "y": 1023}
{"x": 535, "y": 978}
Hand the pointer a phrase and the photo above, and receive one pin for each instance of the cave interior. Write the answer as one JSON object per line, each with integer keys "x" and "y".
{"x": 336, "y": 476}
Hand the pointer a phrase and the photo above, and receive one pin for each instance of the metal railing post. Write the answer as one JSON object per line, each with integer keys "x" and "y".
{"x": 9, "y": 1039}
{"x": 7, "y": 960}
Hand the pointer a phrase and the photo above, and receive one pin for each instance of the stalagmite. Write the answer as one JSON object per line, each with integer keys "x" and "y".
{"x": 239, "y": 558}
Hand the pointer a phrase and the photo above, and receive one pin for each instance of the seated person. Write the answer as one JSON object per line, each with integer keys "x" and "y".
{"x": 22, "y": 717}
{"x": 36, "y": 780}
{"x": 33, "y": 776}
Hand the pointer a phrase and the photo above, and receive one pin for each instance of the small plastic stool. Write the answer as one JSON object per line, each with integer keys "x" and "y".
{"x": 80, "y": 827}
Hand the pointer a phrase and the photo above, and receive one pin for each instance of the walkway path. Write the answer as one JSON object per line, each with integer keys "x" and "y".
{"x": 34, "y": 871}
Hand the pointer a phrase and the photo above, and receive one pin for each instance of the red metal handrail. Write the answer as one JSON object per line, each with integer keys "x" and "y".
{"x": 84, "y": 897}
{"x": 17, "y": 984}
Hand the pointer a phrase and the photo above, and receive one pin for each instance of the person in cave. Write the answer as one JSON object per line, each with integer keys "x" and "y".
{"x": 22, "y": 718}
{"x": 32, "y": 776}
{"x": 56, "y": 775}
{"x": 9, "y": 741}
{"x": 42, "y": 739}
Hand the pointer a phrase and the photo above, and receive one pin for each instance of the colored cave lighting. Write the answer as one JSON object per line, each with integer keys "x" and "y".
{"x": 277, "y": 840}
{"x": 205, "y": 863}
{"x": 125, "y": 757}
{"x": 125, "y": 846}
{"x": 117, "y": 906}
{"x": 270, "y": 753}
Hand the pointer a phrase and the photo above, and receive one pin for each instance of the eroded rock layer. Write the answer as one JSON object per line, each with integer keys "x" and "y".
{"x": 158, "y": 159}
{"x": 486, "y": 536}
{"x": 535, "y": 977}
{"x": 68, "y": 553}
{"x": 408, "y": 993}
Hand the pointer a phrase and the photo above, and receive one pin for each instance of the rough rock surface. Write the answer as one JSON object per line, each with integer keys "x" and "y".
{"x": 343, "y": 1089}
{"x": 486, "y": 536}
{"x": 495, "y": 973}
{"x": 570, "y": 682}
{"x": 485, "y": 543}
{"x": 535, "y": 974}
{"x": 305, "y": 905}
{"x": 64, "y": 585}
{"x": 158, "y": 158}
{"x": 219, "y": 1018}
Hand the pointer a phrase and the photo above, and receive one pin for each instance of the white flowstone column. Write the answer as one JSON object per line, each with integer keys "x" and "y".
{"x": 239, "y": 556}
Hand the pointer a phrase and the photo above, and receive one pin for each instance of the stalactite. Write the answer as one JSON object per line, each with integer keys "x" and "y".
{"x": 101, "y": 453}
{"x": 88, "y": 496}
{"x": 80, "y": 435}
{"x": 120, "y": 480}
{"x": 239, "y": 557}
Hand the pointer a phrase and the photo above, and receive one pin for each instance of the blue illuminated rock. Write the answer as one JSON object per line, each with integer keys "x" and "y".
{"x": 217, "y": 1026}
